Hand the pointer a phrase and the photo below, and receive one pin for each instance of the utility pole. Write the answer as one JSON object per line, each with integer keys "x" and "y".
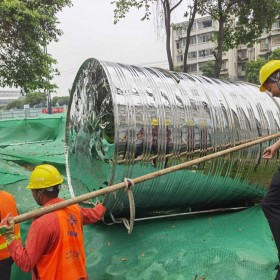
{"x": 49, "y": 102}
{"x": 47, "y": 91}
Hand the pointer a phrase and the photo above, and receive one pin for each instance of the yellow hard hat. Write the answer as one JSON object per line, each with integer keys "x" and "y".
{"x": 155, "y": 122}
{"x": 167, "y": 122}
{"x": 44, "y": 176}
{"x": 267, "y": 70}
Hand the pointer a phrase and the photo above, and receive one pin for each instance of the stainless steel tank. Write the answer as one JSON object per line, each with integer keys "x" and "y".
{"x": 126, "y": 121}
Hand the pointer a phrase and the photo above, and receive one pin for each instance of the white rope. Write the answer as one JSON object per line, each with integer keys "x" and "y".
{"x": 128, "y": 224}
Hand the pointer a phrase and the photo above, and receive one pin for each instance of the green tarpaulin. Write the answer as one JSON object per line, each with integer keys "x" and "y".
{"x": 213, "y": 246}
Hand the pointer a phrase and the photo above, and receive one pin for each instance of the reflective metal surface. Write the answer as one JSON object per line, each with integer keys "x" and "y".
{"x": 126, "y": 121}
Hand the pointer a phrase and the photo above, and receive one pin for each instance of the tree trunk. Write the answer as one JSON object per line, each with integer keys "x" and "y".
{"x": 191, "y": 21}
{"x": 167, "y": 20}
{"x": 219, "y": 53}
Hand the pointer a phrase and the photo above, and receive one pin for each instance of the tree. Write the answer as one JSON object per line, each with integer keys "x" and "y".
{"x": 123, "y": 7}
{"x": 253, "y": 67}
{"x": 240, "y": 22}
{"x": 31, "y": 98}
{"x": 60, "y": 100}
{"x": 275, "y": 55}
{"x": 208, "y": 69}
{"x": 26, "y": 28}
{"x": 55, "y": 100}
{"x": 252, "y": 70}
{"x": 16, "y": 104}
{"x": 192, "y": 14}
{"x": 35, "y": 98}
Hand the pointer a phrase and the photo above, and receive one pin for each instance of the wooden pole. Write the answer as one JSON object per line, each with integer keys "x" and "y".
{"x": 122, "y": 185}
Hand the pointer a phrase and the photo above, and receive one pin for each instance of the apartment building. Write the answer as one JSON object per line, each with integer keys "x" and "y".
{"x": 8, "y": 95}
{"x": 201, "y": 48}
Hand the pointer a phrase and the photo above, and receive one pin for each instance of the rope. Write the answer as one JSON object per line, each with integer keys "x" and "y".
{"x": 129, "y": 184}
{"x": 48, "y": 209}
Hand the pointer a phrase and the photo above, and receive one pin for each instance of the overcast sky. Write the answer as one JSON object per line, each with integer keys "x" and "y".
{"x": 89, "y": 31}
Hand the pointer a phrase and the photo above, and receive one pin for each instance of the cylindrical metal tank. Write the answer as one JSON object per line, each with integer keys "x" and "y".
{"x": 126, "y": 121}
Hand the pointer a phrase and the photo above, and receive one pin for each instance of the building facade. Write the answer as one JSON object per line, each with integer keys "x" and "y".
{"x": 201, "y": 48}
{"x": 8, "y": 95}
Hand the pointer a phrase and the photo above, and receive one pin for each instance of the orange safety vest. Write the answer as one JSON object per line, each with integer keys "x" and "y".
{"x": 7, "y": 205}
{"x": 68, "y": 260}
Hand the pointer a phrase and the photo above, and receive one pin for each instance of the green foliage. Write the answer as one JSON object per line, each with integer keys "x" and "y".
{"x": 224, "y": 77}
{"x": 275, "y": 55}
{"x": 164, "y": 10}
{"x": 253, "y": 67}
{"x": 31, "y": 98}
{"x": 26, "y": 28}
{"x": 208, "y": 69}
{"x": 16, "y": 104}
{"x": 54, "y": 100}
{"x": 60, "y": 100}
{"x": 252, "y": 70}
{"x": 124, "y": 6}
{"x": 253, "y": 17}
{"x": 36, "y": 98}
{"x": 240, "y": 22}
{"x": 179, "y": 68}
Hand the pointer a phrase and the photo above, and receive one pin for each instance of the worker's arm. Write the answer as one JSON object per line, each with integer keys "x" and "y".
{"x": 271, "y": 151}
{"x": 93, "y": 215}
{"x": 42, "y": 237}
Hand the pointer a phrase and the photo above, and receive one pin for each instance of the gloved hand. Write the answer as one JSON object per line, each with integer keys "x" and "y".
{"x": 7, "y": 226}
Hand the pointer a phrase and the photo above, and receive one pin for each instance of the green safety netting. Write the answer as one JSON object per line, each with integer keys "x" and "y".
{"x": 214, "y": 246}
{"x": 33, "y": 140}
{"x": 218, "y": 246}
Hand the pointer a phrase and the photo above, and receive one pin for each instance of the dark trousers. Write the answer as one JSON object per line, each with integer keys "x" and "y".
{"x": 5, "y": 268}
{"x": 271, "y": 208}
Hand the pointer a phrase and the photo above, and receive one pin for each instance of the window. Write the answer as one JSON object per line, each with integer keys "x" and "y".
{"x": 276, "y": 25}
{"x": 192, "y": 54}
{"x": 179, "y": 58}
{"x": 204, "y": 24}
{"x": 264, "y": 44}
{"x": 207, "y": 23}
{"x": 242, "y": 54}
{"x": 204, "y": 53}
{"x": 224, "y": 65}
{"x": 275, "y": 40}
{"x": 192, "y": 67}
{"x": 193, "y": 26}
{"x": 206, "y": 37}
{"x": 179, "y": 31}
{"x": 192, "y": 40}
{"x": 201, "y": 53}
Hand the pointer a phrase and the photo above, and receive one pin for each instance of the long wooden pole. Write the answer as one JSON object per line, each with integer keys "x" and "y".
{"x": 122, "y": 185}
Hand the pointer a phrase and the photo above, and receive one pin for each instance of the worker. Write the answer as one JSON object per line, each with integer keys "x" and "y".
{"x": 54, "y": 246}
{"x": 270, "y": 82}
{"x": 7, "y": 205}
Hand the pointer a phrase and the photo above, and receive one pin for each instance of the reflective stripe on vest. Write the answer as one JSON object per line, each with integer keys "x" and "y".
{"x": 67, "y": 261}
{"x": 5, "y": 245}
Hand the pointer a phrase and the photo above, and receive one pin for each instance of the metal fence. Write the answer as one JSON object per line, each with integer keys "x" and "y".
{"x": 29, "y": 112}
{"x": 20, "y": 113}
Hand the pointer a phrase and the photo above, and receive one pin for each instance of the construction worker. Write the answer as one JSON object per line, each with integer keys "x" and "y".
{"x": 7, "y": 205}
{"x": 270, "y": 81}
{"x": 54, "y": 247}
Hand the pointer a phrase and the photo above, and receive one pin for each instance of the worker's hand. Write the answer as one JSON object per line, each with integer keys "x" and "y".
{"x": 7, "y": 226}
{"x": 269, "y": 152}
